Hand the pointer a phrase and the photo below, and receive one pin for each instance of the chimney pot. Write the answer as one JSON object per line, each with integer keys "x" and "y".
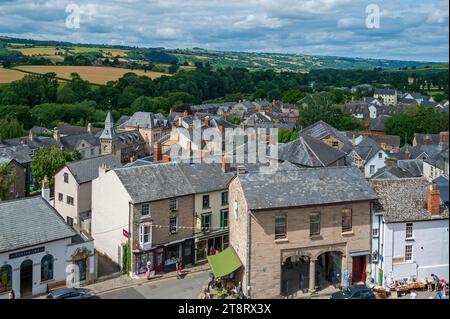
{"x": 89, "y": 128}
{"x": 56, "y": 135}
{"x": 157, "y": 152}
{"x": 443, "y": 137}
{"x": 226, "y": 166}
{"x": 433, "y": 200}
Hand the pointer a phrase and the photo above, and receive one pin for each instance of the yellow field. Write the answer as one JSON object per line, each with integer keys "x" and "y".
{"x": 7, "y": 75}
{"x": 93, "y": 74}
{"x": 38, "y": 51}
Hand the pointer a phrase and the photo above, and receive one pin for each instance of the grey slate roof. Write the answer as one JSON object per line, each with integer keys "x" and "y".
{"x": 320, "y": 130}
{"x": 303, "y": 187}
{"x": 438, "y": 160}
{"x": 413, "y": 166}
{"x": 377, "y": 124}
{"x": 404, "y": 199}
{"x": 30, "y": 221}
{"x": 71, "y": 141}
{"x": 75, "y": 130}
{"x": 367, "y": 148}
{"x": 20, "y": 153}
{"x": 393, "y": 140}
{"x": 443, "y": 186}
{"x": 391, "y": 172}
{"x": 385, "y": 91}
{"x": 310, "y": 152}
{"x": 35, "y": 143}
{"x": 154, "y": 182}
{"x": 205, "y": 177}
{"x": 420, "y": 138}
{"x": 86, "y": 170}
{"x": 145, "y": 120}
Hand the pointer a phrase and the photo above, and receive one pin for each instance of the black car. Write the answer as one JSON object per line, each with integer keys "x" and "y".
{"x": 72, "y": 293}
{"x": 354, "y": 292}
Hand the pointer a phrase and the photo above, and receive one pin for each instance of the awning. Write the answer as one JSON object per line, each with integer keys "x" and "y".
{"x": 224, "y": 263}
{"x": 360, "y": 253}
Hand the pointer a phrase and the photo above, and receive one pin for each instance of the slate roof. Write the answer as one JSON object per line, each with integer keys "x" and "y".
{"x": 30, "y": 221}
{"x": 438, "y": 160}
{"x": 320, "y": 130}
{"x": 392, "y": 140}
{"x": 416, "y": 151}
{"x": 377, "y": 124}
{"x": 145, "y": 120}
{"x": 35, "y": 143}
{"x": 420, "y": 138}
{"x": 154, "y": 182}
{"x": 385, "y": 92}
{"x": 71, "y": 141}
{"x": 413, "y": 166}
{"x": 20, "y": 153}
{"x": 404, "y": 199}
{"x": 391, "y": 172}
{"x": 204, "y": 177}
{"x": 367, "y": 148}
{"x": 75, "y": 130}
{"x": 86, "y": 170}
{"x": 443, "y": 186}
{"x": 304, "y": 187}
{"x": 309, "y": 151}
{"x": 287, "y": 166}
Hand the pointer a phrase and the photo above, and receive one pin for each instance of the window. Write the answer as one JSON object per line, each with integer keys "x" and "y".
{"x": 346, "y": 220}
{"x": 92, "y": 151}
{"x": 206, "y": 222}
{"x": 60, "y": 197}
{"x": 409, "y": 230}
{"x": 314, "y": 223}
{"x": 47, "y": 268}
{"x": 173, "y": 204}
{"x": 375, "y": 232}
{"x": 372, "y": 169}
{"x": 145, "y": 209}
{"x": 224, "y": 198}
{"x": 69, "y": 200}
{"x": 173, "y": 225}
{"x": 5, "y": 278}
{"x": 408, "y": 253}
{"x": 205, "y": 201}
{"x": 70, "y": 221}
{"x": 280, "y": 226}
{"x": 145, "y": 234}
{"x": 66, "y": 177}
{"x": 380, "y": 155}
{"x": 335, "y": 143}
{"x": 224, "y": 218}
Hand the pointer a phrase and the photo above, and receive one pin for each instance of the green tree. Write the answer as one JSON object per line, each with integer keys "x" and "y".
{"x": 10, "y": 128}
{"x": 47, "y": 161}
{"x": 234, "y": 120}
{"x": 286, "y": 135}
{"x": 317, "y": 107}
{"x": 7, "y": 177}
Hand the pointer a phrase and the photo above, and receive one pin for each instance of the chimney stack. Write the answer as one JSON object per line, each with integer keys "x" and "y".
{"x": 45, "y": 190}
{"x": 226, "y": 166}
{"x": 166, "y": 158}
{"x": 433, "y": 200}
{"x": 31, "y": 135}
{"x": 56, "y": 135}
{"x": 157, "y": 152}
{"x": 427, "y": 140}
{"x": 103, "y": 169}
{"x": 443, "y": 137}
{"x": 407, "y": 153}
{"x": 89, "y": 128}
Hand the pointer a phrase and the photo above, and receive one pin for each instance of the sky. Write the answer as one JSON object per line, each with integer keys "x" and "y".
{"x": 408, "y": 29}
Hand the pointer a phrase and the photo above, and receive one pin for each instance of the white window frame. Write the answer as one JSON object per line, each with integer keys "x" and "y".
{"x": 171, "y": 201}
{"x": 408, "y": 253}
{"x": 145, "y": 244}
{"x": 375, "y": 232}
{"x": 147, "y": 209}
{"x": 173, "y": 231}
{"x": 371, "y": 172}
{"x": 409, "y": 231}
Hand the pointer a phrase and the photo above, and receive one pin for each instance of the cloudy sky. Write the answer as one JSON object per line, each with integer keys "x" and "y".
{"x": 409, "y": 29}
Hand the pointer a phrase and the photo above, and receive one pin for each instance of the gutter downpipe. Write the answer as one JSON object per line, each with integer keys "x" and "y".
{"x": 249, "y": 245}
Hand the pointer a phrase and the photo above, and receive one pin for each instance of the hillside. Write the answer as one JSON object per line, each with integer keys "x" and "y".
{"x": 160, "y": 59}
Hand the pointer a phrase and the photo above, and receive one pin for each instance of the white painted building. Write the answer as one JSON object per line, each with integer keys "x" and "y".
{"x": 409, "y": 231}
{"x": 38, "y": 250}
{"x": 368, "y": 156}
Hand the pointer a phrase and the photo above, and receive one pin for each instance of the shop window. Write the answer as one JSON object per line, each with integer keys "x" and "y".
{"x": 5, "y": 278}
{"x": 226, "y": 241}
{"x": 172, "y": 254}
{"x": 280, "y": 226}
{"x": 224, "y": 218}
{"x": 201, "y": 250}
{"x": 205, "y": 201}
{"x": 346, "y": 220}
{"x": 145, "y": 209}
{"x": 206, "y": 222}
{"x": 224, "y": 198}
{"x": 141, "y": 262}
{"x": 314, "y": 224}
{"x": 47, "y": 268}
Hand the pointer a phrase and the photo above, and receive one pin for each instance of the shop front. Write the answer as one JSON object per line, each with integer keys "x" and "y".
{"x": 209, "y": 244}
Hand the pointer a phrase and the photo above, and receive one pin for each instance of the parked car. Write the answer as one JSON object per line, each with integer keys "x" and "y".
{"x": 354, "y": 292}
{"x": 72, "y": 293}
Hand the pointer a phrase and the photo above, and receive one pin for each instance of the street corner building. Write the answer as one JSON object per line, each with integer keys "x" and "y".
{"x": 409, "y": 232}
{"x": 39, "y": 251}
{"x": 300, "y": 230}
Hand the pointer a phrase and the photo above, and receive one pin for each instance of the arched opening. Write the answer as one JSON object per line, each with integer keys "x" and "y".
{"x": 47, "y": 268}
{"x": 329, "y": 269}
{"x": 26, "y": 278}
{"x": 295, "y": 275}
{"x": 5, "y": 278}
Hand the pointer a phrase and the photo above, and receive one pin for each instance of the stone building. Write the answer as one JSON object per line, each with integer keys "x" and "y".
{"x": 300, "y": 229}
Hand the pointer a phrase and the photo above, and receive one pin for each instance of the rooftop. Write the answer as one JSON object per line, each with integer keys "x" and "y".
{"x": 86, "y": 170}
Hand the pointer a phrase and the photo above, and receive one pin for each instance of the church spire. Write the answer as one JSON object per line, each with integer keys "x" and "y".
{"x": 109, "y": 131}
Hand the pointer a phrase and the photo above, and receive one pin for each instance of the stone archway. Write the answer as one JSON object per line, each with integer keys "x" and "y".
{"x": 81, "y": 259}
{"x": 26, "y": 278}
{"x": 328, "y": 269}
{"x": 295, "y": 273}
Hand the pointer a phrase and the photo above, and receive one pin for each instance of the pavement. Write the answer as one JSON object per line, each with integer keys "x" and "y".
{"x": 165, "y": 288}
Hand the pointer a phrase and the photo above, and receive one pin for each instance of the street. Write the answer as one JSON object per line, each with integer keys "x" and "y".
{"x": 187, "y": 288}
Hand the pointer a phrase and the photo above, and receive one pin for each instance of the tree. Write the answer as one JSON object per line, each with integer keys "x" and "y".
{"x": 319, "y": 106}
{"x": 286, "y": 135}
{"x": 10, "y": 128}
{"x": 234, "y": 120}
{"x": 7, "y": 178}
{"x": 47, "y": 161}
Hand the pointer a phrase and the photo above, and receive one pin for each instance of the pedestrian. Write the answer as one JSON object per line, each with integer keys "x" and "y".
{"x": 179, "y": 266}
{"x": 436, "y": 282}
{"x": 413, "y": 294}
{"x": 149, "y": 269}
{"x": 12, "y": 295}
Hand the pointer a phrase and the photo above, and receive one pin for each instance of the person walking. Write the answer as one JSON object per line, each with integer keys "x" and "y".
{"x": 12, "y": 295}
{"x": 179, "y": 266}
{"x": 149, "y": 269}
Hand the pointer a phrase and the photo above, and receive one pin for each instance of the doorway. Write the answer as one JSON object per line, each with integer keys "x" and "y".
{"x": 26, "y": 278}
{"x": 159, "y": 260}
{"x": 359, "y": 269}
{"x": 328, "y": 270}
{"x": 295, "y": 275}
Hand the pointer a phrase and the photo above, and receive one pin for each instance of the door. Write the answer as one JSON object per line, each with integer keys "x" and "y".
{"x": 359, "y": 269}
{"x": 26, "y": 278}
{"x": 159, "y": 260}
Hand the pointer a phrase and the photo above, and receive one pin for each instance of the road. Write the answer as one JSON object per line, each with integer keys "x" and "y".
{"x": 171, "y": 288}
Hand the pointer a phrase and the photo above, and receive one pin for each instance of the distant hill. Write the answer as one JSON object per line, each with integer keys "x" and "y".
{"x": 279, "y": 62}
